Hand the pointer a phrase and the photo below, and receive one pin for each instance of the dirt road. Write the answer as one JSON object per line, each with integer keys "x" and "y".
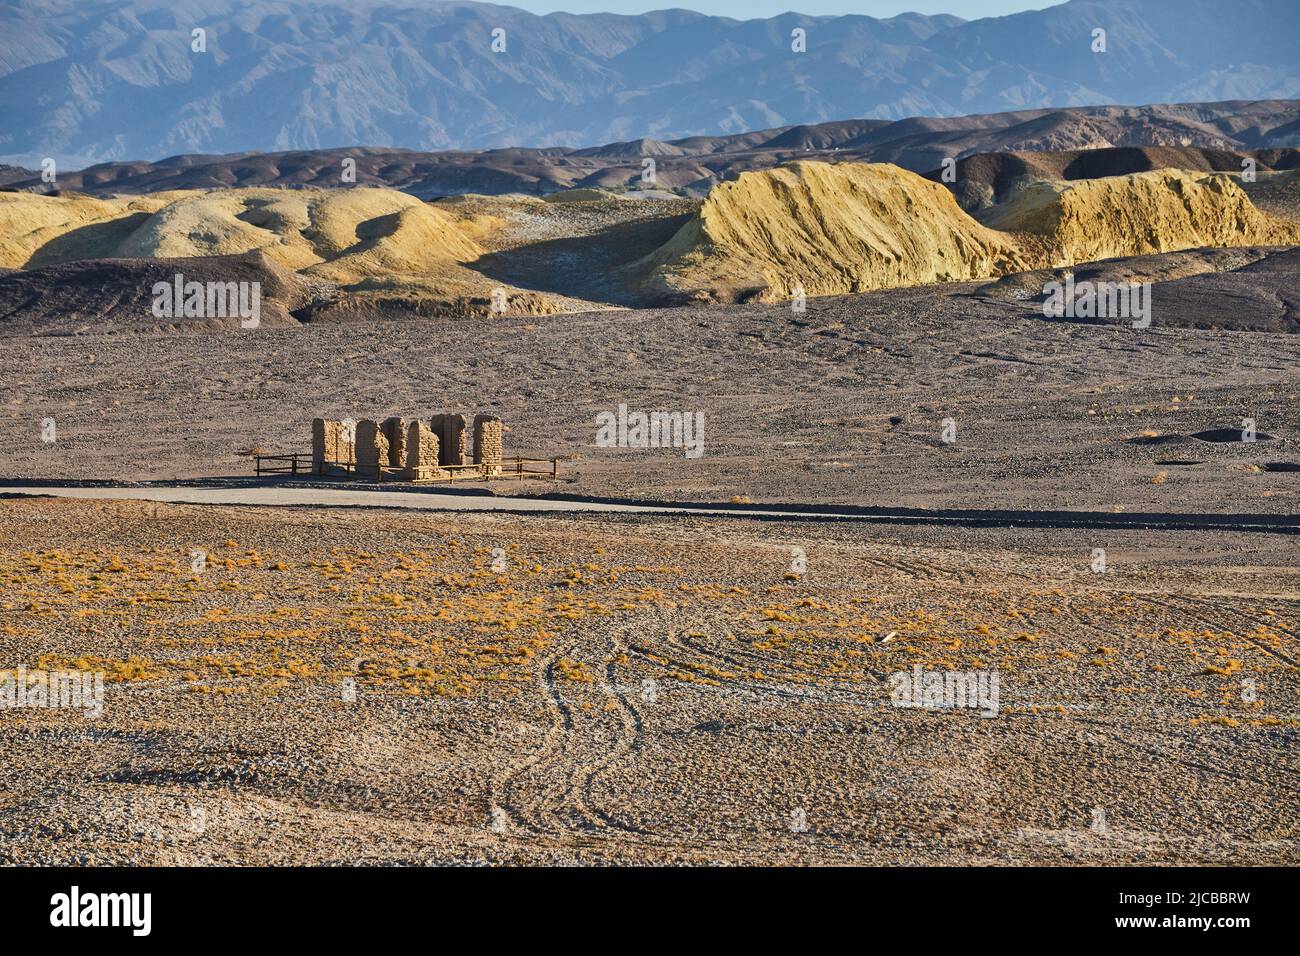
{"x": 298, "y": 495}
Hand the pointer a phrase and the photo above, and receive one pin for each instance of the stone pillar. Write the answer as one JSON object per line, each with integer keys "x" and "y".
{"x": 453, "y": 437}
{"x": 372, "y": 450}
{"x": 421, "y": 453}
{"x": 346, "y": 446}
{"x": 394, "y": 430}
{"x": 319, "y": 428}
{"x": 488, "y": 435}
{"x": 332, "y": 444}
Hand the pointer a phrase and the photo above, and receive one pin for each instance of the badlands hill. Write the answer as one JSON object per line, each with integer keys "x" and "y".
{"x": 832, "y": 229}
{"x": 827, "y": 229}
{"x": 1161, "y": 211}
{"x": 296, "y": 228}
{"x": 987, "y": 179}
{"x": 377, "y": 245}
{"x": 1072, "y": 143}
{"x": 116, "y": 295}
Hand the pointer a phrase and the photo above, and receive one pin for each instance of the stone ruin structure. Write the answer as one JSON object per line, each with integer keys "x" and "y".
{"x": 333, "y": 446}
{"x": 379, "y": 446}
{"x": 488, "y": 436}
{"x": 452, "y": 438}
{"x": 413, "y": 450}
{"x": 371, "y": 449}
{"x": 422, "y": 454}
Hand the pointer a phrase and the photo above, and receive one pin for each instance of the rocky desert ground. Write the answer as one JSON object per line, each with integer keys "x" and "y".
{"x": 372, "y": 688}
{"x": 845, "y": 403}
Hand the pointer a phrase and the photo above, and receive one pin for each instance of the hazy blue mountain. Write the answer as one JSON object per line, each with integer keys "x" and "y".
{"x": 95, "y": 80}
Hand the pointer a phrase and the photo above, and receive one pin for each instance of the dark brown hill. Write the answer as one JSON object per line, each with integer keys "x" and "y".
{"x": 1192, "y": 132}
{"x": 987, "y": 179}
{"x": 116, "y": 295}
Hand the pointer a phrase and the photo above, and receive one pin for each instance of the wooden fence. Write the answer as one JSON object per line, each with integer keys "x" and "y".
{"x": 514, "y": 468}
{"x": 520, "y": 469}
{"x": 294, "y": 463}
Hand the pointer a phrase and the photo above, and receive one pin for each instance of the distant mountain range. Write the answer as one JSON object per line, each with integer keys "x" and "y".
{"x": 995, "y": 151}
{"x": 96, "y": 80}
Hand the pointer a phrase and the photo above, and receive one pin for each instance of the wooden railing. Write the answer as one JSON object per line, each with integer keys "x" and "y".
{"x": 300, "y": 463}
{"x": 517, "y": 469}
{"x": 297, "y": 464}
{"x": 453, "y": 473}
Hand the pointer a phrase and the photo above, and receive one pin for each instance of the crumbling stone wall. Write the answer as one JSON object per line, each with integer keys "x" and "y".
{"x": 453, "y": 437}
{"x": 319, "y": 441}
{"x": 488, "y": 441}
{"x": 372, "y": 449}
{"x": 394, "y": 430}
{"x": 345, "y": 450}
{"x": 421, "y": 453}
{"x": 332, "y": 443}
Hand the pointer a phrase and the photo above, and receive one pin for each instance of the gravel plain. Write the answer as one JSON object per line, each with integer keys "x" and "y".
{"x": 848, "y": 402}
{"x": 332, "y": 686}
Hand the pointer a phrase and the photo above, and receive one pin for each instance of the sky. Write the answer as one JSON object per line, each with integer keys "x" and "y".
{"x": 749, "y": 9}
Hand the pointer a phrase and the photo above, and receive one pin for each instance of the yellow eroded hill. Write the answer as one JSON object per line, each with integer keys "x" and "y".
{"x": 827, "y": 229}
{"x": 360, "y": 233}
{"x": 1164, "y": 210}
{"x": 832, "y": 229}
{"x": 44, "y": 230}
{"x": 377, "y": 231}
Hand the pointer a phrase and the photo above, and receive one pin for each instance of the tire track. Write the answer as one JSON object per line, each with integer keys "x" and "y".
{"x": 1242, "y": 775}
{"x": 1213, "y": 613}
{"x": 505, "y": 788}
{"x": 550, "y": 793}
{"x": 626, "y": 741}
